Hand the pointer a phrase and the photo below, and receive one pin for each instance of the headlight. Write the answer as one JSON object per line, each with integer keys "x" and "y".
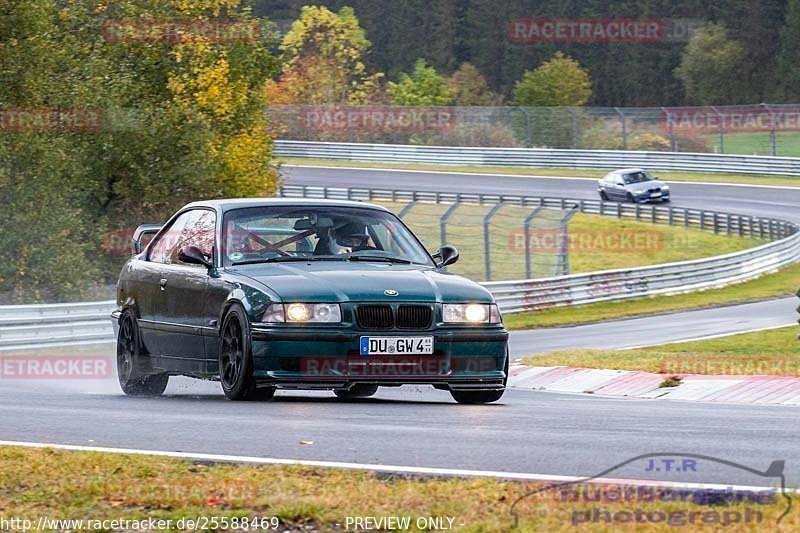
{"x": 665, "y": 187}
{"x": 307, "y": 313}
{"x": 639, "y": 191}
{"x": 471, "y": 314}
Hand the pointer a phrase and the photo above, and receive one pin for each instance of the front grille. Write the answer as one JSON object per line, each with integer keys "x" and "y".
{"x": 653, "y": 190}
{"x": 414, "y": 316}
{"x": 374, "y": 316}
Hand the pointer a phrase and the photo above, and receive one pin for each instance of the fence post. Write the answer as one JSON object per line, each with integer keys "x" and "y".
{"x": 528, "y": 126}
{"x": 721, "y": 130}
{"x": 527, "y": 233}
{"x": 486, "y": 247}
{"x": 772, "y": 139}
{"x": 408, "y": 207}
{"x": 575, "y": 142}
{"x": 716, "y": 221}
{"x": 443, "y": 221}
{"x": 624, "y": 128}
{"x": 562, "y": 263}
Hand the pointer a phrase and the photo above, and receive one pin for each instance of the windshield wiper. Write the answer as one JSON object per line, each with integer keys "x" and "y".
{"x": 379, "y": 258}
{"x": 285, "y": 259}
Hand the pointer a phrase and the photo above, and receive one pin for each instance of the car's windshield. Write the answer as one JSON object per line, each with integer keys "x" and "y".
{"x": 292, "y": 233}
{"x": 637, "y": 177}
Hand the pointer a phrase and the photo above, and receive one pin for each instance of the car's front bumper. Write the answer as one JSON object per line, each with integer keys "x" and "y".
{"x": 463, "y": 359}
{"x": 647, "y": 197}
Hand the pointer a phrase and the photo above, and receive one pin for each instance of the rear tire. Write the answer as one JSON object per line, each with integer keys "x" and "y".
{"x": 236, "y": 359}
{"x": 357, "y": 391}
{"x": 129, "y": 354}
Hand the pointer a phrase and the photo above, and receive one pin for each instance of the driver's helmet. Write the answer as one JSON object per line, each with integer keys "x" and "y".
{"x": 351, "y": 237}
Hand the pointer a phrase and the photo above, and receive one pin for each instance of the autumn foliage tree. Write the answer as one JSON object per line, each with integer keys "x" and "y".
{"x": 323, "y": 58}
{"x": 182, "y": 120}
{"x": 422, "y": 87}
{"x": 558, "y": 82}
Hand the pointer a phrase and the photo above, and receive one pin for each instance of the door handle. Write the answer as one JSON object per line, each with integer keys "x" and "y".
{"x": 162, "y": 283}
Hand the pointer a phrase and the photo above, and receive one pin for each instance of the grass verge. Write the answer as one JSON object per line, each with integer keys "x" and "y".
{"x": 768, "y": 352}
{"x": 746, "y": 179}
{"x": 89, "y": 485}
{"x": 781, "y": 283}
{"x": 597, "y": 242}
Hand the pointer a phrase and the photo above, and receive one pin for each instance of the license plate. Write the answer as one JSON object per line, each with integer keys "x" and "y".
{"x": 655, "y": 194}
{"x": 396, "y": 345}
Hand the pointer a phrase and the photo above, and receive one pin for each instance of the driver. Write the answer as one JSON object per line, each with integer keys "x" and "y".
{"x": 352, "y": 237}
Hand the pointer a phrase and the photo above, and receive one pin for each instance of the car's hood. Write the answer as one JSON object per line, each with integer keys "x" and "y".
{"x": 343, "y": 282}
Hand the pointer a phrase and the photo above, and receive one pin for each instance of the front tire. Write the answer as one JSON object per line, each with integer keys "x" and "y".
{"x": 357, "y": 391}
{"x": 482, "y": 396}
{"x": 132, "y": 380}
{"x": 236, "y": 359}
{"x": 603, "y": 196}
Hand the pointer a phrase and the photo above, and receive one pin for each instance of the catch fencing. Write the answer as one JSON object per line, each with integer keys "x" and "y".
{"x": 758, "y": 129}
{"x": 540, "y": 158}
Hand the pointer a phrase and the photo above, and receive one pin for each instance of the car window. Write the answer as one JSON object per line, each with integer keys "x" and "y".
{"x": 638, "y": 177}
{"x": 192, "y": 228}
{"x": 323, "y": 232}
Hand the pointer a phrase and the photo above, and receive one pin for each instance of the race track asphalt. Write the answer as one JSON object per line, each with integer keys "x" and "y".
{"x": 526, "y": 432}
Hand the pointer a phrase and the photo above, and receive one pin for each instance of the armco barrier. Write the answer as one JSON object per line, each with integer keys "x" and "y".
{"x": 29, "y": 326}
{"x": 540, "y": 158}
{"x": 34, "y": 326}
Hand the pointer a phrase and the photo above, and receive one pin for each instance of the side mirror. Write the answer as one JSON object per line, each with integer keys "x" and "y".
{"x": 142, "y": 237}
{"x": 447, "y": 255}
{"x": 193, "y": 255}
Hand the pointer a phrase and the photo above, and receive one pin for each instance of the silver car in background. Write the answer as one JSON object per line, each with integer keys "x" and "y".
{"x": 633, "y": 185}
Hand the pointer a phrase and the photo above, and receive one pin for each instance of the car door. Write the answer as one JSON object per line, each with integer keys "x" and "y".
{"x": 617, "y": 187}
{"x": 182, "y": 288}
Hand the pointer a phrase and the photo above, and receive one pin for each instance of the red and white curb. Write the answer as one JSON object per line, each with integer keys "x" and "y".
{"x": 775, "y": 390}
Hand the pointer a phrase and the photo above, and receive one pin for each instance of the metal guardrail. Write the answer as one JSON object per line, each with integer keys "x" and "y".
{"x": 623, "y": 284}
{"x": 716, "y": 221}
{"x": 540, "y": 158}
{"x": 38, "y": 326}
{"x": 29, "y": 326}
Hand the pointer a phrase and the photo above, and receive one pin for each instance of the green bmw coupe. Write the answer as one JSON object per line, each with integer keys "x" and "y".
{"x": 302, "y": 294}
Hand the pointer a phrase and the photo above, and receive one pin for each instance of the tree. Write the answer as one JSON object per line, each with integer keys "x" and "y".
{"x": 710, "y": 67}
{"x": 423, "y": 87}
{"x": 470, "y": 87}
{"x": 181, "y": 120}
{"x": 558, "y": 82}
{"x": 323, "y": 55}
{"x": 789, "y": 58}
